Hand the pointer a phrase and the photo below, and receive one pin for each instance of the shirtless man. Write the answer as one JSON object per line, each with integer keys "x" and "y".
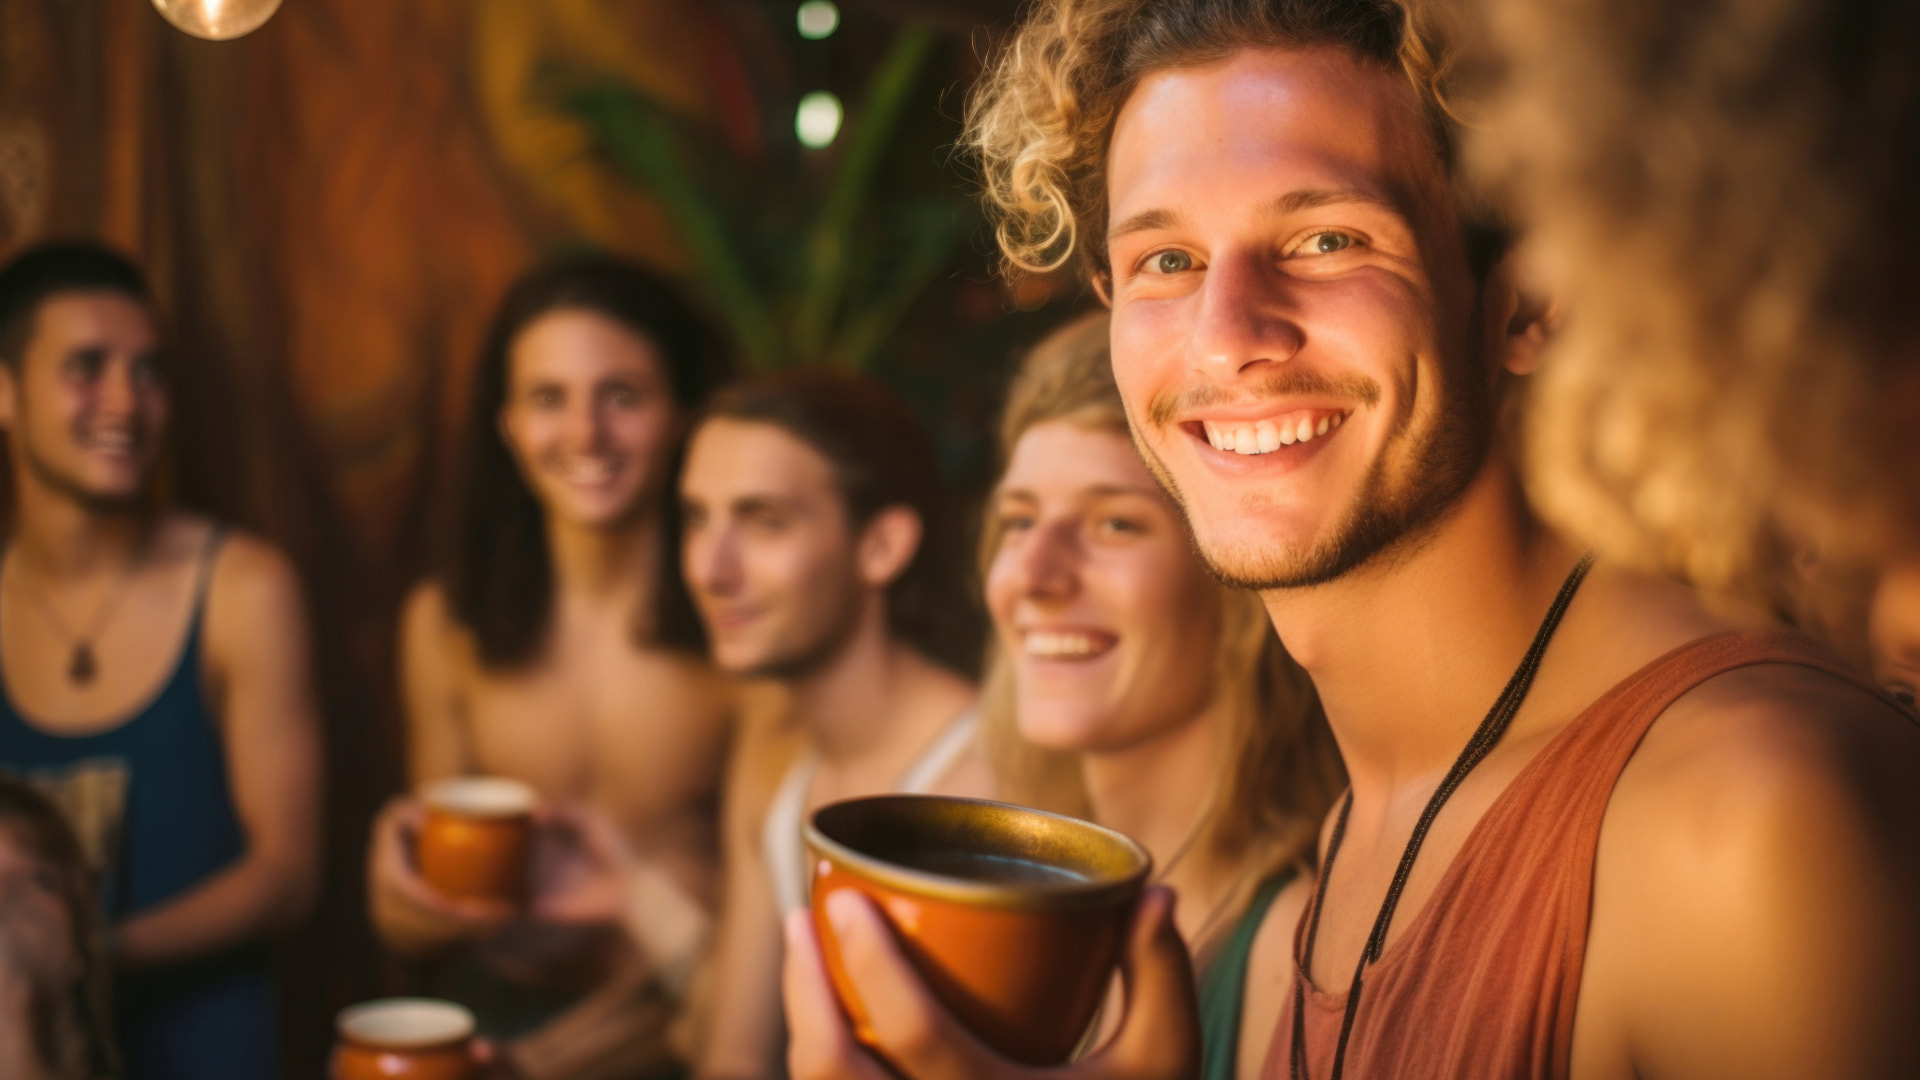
{"x": 1694, "y": 848}
{"x": 810, "y": 501}
{"x": 557, "y": 647}
{"x": 153, "y": 675}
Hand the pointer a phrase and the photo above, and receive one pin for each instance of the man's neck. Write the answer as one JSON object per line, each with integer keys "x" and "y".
{"x": 1409, "y": 652}
{"x": 63, "y": 539}
{"x": 877, "y": 700}
{"x": 599, "y": 567}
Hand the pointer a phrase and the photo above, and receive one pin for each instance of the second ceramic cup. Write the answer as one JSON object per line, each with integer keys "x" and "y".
{"x": 404, "y": 1039}
{"x": 478, "y": 838}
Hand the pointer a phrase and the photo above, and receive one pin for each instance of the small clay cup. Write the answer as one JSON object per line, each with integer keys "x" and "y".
{"x": 1013, "y": 916}
{"x": 404, "y": 1039}
{"x": 477, "y": 838}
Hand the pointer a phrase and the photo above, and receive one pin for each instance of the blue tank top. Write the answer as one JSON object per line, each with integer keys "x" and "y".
{"x": 150, "y": 800}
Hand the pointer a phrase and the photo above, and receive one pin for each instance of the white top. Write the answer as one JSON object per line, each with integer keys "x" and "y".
{"x": 786, "y": 852}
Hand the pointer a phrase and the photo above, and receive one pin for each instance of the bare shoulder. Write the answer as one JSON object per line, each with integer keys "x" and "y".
{"x": 1758, "y": 866}
{"x": 253, "y": 590}
{"x": 424, "y": 613}
{"x": 430, "y": 635}
{"x": 1758, "y": 744}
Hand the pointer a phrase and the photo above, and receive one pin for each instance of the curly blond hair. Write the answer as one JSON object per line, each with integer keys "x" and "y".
{"x": 1282, "y": 768}
{"x": 1039, "y": 120}
{"x": 1725, "y": 194}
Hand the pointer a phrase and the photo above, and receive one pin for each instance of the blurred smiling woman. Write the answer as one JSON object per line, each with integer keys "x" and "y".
{"x": 557, "y": 647}
{"x": 1126, "y": 685}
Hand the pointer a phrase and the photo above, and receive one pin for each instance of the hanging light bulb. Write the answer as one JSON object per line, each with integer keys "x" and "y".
{"x": 217, "y": 20}
{"x": 818, "y": 120}
{"x": 818, "y": 19}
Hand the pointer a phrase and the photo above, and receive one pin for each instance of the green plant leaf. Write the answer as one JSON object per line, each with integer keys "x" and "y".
{"x": 830, "y": 241}
{"x": 633, "y": 134}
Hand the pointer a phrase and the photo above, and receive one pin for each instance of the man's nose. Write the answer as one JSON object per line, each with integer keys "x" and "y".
{"x": 117, "y": 390}
{"x": 1245, "y": 317}
{"x": 713, "y": 562}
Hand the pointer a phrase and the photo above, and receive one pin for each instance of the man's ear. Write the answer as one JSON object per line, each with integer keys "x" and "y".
{"x": 9, "y": 396}
{"x": 1103, "y": 288}
{"x": 888, "y": 544}
{"x": 1521, "y": 319}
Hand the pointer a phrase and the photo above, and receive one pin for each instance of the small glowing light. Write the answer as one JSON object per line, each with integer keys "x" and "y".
{"x": 818, "y": 120}
{"x": 818, "y": 18}
{"x": 217, "y": 20}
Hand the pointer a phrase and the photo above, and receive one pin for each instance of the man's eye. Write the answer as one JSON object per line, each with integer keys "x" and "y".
{"x": 1327, "y": 243}
{"x": 1172, "y": 262}
{"x": 1011, "y": 522}
{"x": 1120, "y": 525}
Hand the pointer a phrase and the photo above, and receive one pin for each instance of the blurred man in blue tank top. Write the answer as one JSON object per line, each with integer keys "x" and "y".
{"x": 153, "y": 675}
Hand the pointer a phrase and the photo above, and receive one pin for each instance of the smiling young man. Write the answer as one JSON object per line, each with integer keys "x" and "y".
{"x": 814, "y": 544}
{"x": 153, "y": 675}
{"x": 1595, "y": 829}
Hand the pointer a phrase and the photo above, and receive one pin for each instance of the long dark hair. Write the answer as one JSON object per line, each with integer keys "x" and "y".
{"x": 881, "y": 457}
{"x": 69, "y": 1028}
{"x": 497, "y": 571}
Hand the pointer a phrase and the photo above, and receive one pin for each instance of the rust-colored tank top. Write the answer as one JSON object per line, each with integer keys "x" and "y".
{"x": 1481, "y": 985}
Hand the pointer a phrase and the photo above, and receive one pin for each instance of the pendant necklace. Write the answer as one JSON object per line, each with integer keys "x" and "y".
{"x": 83, "y": 668}
{"x": 1477, "y": 748}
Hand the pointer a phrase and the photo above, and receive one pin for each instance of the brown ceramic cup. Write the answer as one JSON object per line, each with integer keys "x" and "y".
{"x": 405, "y": 1039}
{"x": 1014, "y": 917}
{"x": 477, "y": 838}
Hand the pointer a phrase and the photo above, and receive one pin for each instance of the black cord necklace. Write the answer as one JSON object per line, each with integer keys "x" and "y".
{"x": 1484, "y": 738}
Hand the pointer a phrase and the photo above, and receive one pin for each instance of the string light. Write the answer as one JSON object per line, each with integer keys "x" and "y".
{"x": 818, "y": 19}
{"x": 217, "y": 20}
{"x": 818, "y": 119}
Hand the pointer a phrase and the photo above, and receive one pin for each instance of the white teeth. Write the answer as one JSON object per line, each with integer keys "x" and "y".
{"x": 1266, "y": 436}
{"x": 588, "y": 470}
{"x": 1050, "y": 644}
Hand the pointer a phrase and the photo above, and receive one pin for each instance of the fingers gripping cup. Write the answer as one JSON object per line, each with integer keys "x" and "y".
{"x": 1014, "y": 917}
{"x": 405, "y": 1039}
{"x": 477, "y": 838}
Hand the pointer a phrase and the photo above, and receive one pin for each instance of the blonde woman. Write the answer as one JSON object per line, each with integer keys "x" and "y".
{"x": 1126, "y": 685}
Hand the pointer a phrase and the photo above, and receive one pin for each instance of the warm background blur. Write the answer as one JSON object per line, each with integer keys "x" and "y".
{"x": 329, "y": 207}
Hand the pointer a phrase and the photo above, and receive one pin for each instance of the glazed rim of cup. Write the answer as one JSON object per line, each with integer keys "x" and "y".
{"x": 481, "y": 796}
{"x": 406, "y": 1023}
{"x": 857, "y": 834}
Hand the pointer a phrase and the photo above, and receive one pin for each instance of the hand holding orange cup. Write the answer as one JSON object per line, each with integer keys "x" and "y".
{"x": 405, "y": 1039}
{"x": 476, "y": 841}
{"x": 1014, "y": 917}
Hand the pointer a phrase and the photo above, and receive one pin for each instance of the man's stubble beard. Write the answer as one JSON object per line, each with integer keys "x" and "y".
{"x": 67, "y": 486}
{"x": 1382, "y": 520}
{"x": 822, "y": 648}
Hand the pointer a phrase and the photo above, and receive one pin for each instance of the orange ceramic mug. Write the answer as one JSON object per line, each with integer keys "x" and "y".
{"x": 1013, "y": 916}
{"x": 477, "y": 837}
{"x": 405, "y": 1039}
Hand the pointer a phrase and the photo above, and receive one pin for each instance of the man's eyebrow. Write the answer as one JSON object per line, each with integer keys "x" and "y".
{"x": 1144, "y": 220}
{"x": 1310, "y": 198}
{"x": 748, "y": 505}
{"x": 1291, "y": 203}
